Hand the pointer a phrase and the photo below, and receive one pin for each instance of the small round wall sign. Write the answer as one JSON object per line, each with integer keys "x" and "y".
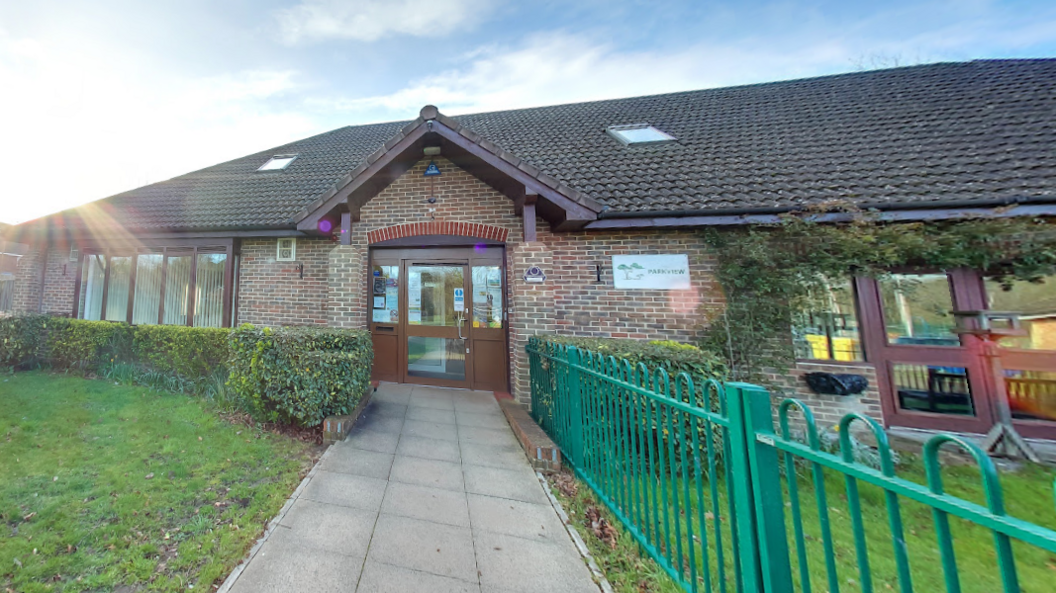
{"x": 534, "y": 274}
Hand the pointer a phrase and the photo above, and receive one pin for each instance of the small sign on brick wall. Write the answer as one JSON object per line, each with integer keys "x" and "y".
{"x": 665, "y": 272}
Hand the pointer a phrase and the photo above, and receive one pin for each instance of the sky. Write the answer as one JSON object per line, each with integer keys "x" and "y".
{"x": 105, "y": 96}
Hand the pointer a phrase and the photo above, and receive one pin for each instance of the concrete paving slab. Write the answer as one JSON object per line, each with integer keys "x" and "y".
{"x": 513, "y": 517}
{"x": 503, "y": 483}
{"x": 285, "y": 565}
{"x": 494, "y": 420}
{"x": 347, "y": 490}
{"x": 427, "y": 472}
{"x": 528, "y": 566}
{"x": 385, "y": 408}
{"x": 486, "y": 436}
{"x": 431, "y": 430}
{"x": 501, "y": 456}
{"x": 426, "y": 503}
{"x": 443, "y": 550}
{"x": 430, "y": 492}
{"x": 330, "y": 527}
{"x": 344, "y": 458}
{"x": 386, "y": 578}
{"x": 428, "y": 448}
{"x": 370, "y": 440}
{"x": 378, "y": 423}
{"x": 431, "y": 415}
{"x": 393, "y": 392}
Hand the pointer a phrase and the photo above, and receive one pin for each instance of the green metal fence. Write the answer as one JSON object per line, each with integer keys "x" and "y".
{"x": 726, "y": 495}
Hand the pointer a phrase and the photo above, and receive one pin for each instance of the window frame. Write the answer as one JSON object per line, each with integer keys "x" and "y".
{"x": 293, "y": 249}
{"x": 614, "y": 131}
{"x": 193, "y": 248}
{"x": 852, "y": 282}
{"x": 289, "y": 158}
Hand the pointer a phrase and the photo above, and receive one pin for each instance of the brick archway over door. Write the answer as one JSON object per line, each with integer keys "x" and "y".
{"x": 459, "y": 229}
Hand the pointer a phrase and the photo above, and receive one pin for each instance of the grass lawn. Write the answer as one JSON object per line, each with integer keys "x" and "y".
{"x": 107, "y": 487}
{"x": 1028, "y": 495}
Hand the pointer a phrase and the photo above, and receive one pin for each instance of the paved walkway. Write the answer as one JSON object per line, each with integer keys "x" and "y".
{"x": 430, "y": 493}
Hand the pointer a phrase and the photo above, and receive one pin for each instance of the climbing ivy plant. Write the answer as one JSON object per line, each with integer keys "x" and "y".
{"x": 769, "y": 272}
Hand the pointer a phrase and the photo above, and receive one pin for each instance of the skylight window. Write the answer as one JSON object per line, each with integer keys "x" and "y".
{"x": 278, "y": 162}
{"x": 636, "y": 134}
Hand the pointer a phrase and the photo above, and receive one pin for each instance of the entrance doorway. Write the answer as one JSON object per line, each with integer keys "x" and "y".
{"x": 438, "y": 316}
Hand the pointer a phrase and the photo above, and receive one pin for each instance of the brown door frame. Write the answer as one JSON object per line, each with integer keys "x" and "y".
{"x": 476, "y": 338}
{"x": 428, "y": 331}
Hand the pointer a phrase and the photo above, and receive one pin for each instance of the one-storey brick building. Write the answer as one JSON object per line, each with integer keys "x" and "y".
{"x": 455, "y": 239}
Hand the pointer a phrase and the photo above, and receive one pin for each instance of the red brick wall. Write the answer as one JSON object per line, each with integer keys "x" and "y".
{"x": 27, "y": 283}
{"x": 60, "y": 284}
{"x": 274, "y": 293}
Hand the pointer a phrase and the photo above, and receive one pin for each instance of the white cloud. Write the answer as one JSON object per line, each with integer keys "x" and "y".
{"x": 84, "y": 123}
{"x": 558, "y": 67}
{"x": 370, "y": 20}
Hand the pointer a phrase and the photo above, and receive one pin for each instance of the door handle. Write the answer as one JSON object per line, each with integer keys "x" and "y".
{"x": 461, "y": 318}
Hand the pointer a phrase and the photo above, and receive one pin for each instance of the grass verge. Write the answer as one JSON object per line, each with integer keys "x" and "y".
{"x": 105, "y": 486}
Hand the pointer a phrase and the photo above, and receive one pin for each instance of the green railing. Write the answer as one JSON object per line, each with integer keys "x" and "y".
{"x": 725, "y": 499}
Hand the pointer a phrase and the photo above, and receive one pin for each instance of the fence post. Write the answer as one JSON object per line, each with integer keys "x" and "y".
{"x": 575, "y": 405}
{"x": 762, "y": 537}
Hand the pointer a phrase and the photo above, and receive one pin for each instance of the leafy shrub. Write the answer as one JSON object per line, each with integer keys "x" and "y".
{"x": 21, "y": 337}
{"x": 188, "y": 352}
{"x": 85, "y": 346}
{"x": 673, "y": 357}
{"x": 300, "y": 374}
{"x": 168, "y": 357}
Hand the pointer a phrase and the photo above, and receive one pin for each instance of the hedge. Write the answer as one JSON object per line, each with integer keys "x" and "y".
{"x": 300, "y": 375}
{"x": 91, "y": 346}
{"x": 674, "y": 357}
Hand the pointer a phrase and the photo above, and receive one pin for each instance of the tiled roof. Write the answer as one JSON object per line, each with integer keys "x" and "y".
{"x": 938, "y": 134}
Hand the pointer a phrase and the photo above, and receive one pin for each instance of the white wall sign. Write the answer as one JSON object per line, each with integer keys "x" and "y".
{"x": 666, "y": 272}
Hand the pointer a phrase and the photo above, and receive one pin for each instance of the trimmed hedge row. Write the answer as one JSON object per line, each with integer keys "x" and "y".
{"x": 89, "y": 346}
{"x": 674, "y": 357}
{"x": 300, "y": 374}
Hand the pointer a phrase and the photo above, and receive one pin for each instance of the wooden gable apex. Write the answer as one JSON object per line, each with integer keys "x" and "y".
{"x": 561, "y": 206}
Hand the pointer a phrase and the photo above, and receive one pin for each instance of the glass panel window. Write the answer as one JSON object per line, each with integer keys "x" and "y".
{"x": 147, "y": 300}
{"x": 828, "y": 330}
{"x": 487, "y": 296}
{"x": 1031, "y": 394}
{"x": 917, "y": 310}
{"x": 1036, "y": 304}
{"x": 436, "y": 358}
{"x": 177, "y": 285}
{"x": 117, "y": 292}
{"x": 385, "y": 294}
{"x": 93, "y": 273}
{"x": 927, "y": 388}
{"x": 209, "y": 284}
{"x": 432, "y": 294}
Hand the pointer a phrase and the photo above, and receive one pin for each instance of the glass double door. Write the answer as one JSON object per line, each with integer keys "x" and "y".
{"x": 438, "y": 317}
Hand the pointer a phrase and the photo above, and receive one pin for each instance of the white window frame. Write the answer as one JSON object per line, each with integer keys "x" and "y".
{"x": 292, "y": 248}
{"x": 288, "y": 158}
{"x": 614, "y": 131}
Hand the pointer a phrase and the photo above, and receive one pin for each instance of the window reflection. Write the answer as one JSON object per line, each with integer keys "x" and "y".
{"x": 918, "y": 309}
